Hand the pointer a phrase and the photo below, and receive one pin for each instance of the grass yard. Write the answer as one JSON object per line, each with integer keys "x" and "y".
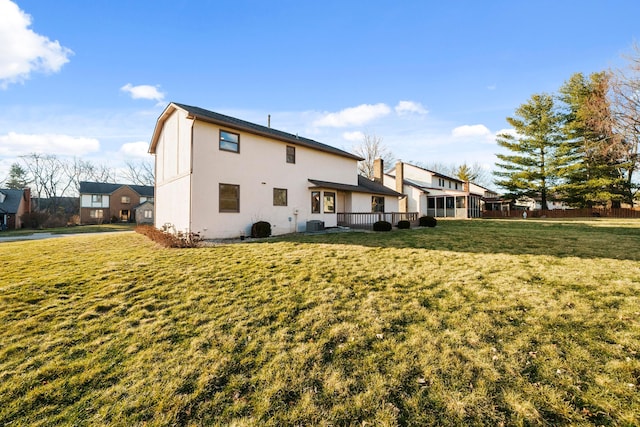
{"x": 470, "y": 323}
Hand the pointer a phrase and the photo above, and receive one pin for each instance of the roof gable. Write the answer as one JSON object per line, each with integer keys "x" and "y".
{"x": 242, "y": 125}
{"x": 87, "y": 187}
{"x": 11, "y": 202}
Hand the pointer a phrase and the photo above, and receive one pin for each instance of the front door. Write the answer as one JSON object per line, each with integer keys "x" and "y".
{"x": 124, "y": 215}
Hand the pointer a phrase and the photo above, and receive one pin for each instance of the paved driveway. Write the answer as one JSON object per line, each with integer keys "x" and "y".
{"x": 40, "y": 236}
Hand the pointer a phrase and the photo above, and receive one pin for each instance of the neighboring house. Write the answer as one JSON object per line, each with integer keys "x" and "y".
{"x": 105, "y": 202}
{"x": 535, "y": 203}
{"x": 434, "y": 194}
{"x": 144, "y": 213}
{"x": 13, "y": 204}
{"x": 217, "y": 175}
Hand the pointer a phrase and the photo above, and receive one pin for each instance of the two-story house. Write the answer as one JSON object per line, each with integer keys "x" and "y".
{"x": 13, "y": 204}
{"x": 102, "y": 202}
{"x": 434, "y": 194}
{"x": 217, "y": 175}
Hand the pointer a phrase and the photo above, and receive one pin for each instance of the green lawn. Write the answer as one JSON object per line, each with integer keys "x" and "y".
{"x": 469, "y": 323}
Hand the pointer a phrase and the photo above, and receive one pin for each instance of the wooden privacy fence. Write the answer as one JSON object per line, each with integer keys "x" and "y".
{"x": 365, "y": 220}
{"x": 567, "y": 213}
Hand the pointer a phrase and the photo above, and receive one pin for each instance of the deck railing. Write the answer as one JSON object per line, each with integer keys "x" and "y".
{"x": 365, "y": 220}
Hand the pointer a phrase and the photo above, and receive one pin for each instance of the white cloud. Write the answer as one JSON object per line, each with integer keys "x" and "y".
{"x": 353, "y": 116}
{"x": 410, "y": 107}
{"x": 509, "y": 131}
{"x": 471, "y": 131}
{"x": 356, "y": 136}
{"x": 17, "y": 144}
{"x": 135, "y": 149}
{"x": 22, "y": 51}
{"x": 492, "y": 87}
{"x": 143, "y": 92}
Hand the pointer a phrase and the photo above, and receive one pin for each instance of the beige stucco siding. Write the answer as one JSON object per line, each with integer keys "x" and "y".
{"x": 173, "y": 180}
{"x": 258, "y": 168}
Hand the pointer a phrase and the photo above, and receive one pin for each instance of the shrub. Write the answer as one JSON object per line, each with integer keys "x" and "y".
{"x": 427, "y": 221}
{"x": 34, "y": 219}
{"x": 404, "y": 224}
{"x": 382, "y": 226}
{"x": 170, "y": 240}
{"x": 261, "y": 229}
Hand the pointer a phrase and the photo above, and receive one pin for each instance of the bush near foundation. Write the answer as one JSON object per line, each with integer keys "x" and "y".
{"x": 261, "y": 229}
{"x": 404, "y": 224}
{"x": 427, "y": 221}
{"x": 170, "y": 240}
{"x": 382, "y": 226}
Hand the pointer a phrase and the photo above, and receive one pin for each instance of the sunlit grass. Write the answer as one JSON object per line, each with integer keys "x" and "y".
{"x": 473, "y": 322}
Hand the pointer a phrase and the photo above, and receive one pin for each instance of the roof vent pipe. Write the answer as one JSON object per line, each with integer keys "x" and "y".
{"x": 269, "y": 121}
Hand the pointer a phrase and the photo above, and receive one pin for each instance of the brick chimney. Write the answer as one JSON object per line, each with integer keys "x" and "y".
{"x": 378, "y": 171}
{"x": 27, "y": 199}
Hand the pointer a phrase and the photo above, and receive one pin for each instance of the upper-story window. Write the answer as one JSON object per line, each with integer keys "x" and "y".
{"x": 96, "y": 198}
{"x": 229, "y": 141}
{"x": 440, "y": 182}
{"x": 291, "y": 154}
{"x": 125, "y": 200}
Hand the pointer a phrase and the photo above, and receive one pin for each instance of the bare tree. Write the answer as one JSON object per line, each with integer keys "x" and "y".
{"x": 369, "y": 149}
{"x": 139, "y": 173}
{"x": 78, "y": 170}
{"x": 48, "y": 177}
{"x": 625, "y": 106}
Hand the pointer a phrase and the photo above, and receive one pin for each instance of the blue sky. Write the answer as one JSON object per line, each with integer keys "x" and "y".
{"x": 434, "y": 80}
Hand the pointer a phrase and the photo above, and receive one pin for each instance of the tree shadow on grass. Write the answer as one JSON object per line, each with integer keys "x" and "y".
{"x": 583, "y": 239}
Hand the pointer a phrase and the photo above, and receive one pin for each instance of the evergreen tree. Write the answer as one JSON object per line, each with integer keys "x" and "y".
{"x": 590, "y": 159}
{"x": 530, "y": 169}
{"x": 17, "y": 179}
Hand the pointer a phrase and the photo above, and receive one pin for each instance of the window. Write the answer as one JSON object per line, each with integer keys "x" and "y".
{"x": 229, "y": 141}
{"x": 125, "y": 200}
{"x": 460, "y": 202}
{"x": 279, "y": 197}
{"x": 431, "y": 203}
{"x": 440, "y": 182}
{"x": 148, "y": 213}
{"x": 450, "y": 202}
{"x": 229, "y": 195}
{"x": 456, "y": 185}
{"x": 377, "y": 204}
{"x": 96, "y": 213}
{"x": 291, "y": 154}
{"x": 315, "y": 202}
{"x": 329, "y": 202}
{"x": 449, "y": 184}
{"x": 96, "y": 198}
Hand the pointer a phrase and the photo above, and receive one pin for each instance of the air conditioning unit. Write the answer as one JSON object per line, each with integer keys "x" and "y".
{"x": 315, "y": 225}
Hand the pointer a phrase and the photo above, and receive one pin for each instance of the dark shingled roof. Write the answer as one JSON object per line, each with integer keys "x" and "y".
{"x": 234, "y": 123}
{"x": 11, "y": 202}
{"x": 87, "y": 187}
{"x": 365, "y": 185}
